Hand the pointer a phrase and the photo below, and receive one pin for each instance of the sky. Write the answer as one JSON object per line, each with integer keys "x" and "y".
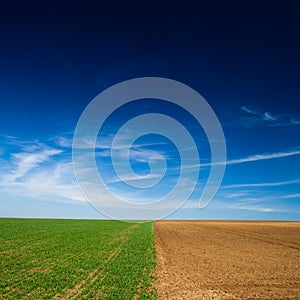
{"x": 242, "y": 58}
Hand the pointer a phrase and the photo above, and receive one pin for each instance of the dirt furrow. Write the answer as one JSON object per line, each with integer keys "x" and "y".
{"x": 227, "y": 260}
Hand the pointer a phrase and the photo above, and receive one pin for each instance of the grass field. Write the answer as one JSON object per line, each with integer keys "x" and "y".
{"x": 76, "y": 259}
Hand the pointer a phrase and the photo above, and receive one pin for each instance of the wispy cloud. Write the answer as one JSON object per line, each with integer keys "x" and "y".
{"x": 264, "y": 156}
{"x": 261, "y": 197}
{"x": 258, "y": 208}
{"x": 267, "y": 116}
{"x": 136, "y": 154}
{"x": 264, "y": 184}
{"x": 259, "y": 204}
{"x": 64, "y": 142}
{"x": 133, "y": 178}
{"x": 40, "y": 171}
{"x": 291, "y": 196}
{"x": 295, "y": 121}
{"x": 45, "y": 171}
{"x": 253, "y": 158}
{"x": 24, "y": 162}
{"x": 235, "y": 195}
{"x": 254, "y": 117}
{"x": 249, "y": 110}
{"x": 55, "y": 183}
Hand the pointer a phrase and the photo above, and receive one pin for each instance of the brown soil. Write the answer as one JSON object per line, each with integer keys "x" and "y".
{"x": 228, "y": 260}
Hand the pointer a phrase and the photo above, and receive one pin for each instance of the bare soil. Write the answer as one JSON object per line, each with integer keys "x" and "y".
{"x": 228, "y": 260}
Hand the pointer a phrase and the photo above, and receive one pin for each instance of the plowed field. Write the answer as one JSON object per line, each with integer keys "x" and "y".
{"x": 228, "y": 260}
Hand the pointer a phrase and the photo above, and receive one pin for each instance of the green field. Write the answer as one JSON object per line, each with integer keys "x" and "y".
{"x": 76, "y": 259}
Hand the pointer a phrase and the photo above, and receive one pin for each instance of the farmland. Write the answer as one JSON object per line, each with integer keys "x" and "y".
{"x": 228, "y": 260}
{"x": 91, "y": 259}
{"x": 76, "y": 259}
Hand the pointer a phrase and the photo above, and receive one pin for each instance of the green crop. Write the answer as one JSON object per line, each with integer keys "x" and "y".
{"x": 76, "y": 259}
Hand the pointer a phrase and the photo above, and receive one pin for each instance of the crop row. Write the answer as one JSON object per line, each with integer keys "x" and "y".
{"x": 45, "y": 259}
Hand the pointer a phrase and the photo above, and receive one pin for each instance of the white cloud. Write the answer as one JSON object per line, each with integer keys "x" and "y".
{"x": 55, "y": 182}
{"x": 265, "y": 184}
{"x": 44, "y": 172}
{"x": 139, "y": 155}
{"x": 265, "y": 156}
{"x": 255, "y": 117}
{"x": 257, "y": 208}
{"x": 40, "y": 171}
{"x": 249, "y": 110}
{"x": 133, "y": 178}
{"x": 235, "y": 195}
{"x": 268, "y": 117}
{"x": 64, "y": 142}
{"x": 291, "y": 196}
{"x": 24, "y": 162}
{"x": 295, "y": 121}
{"x": 251, "y": 158}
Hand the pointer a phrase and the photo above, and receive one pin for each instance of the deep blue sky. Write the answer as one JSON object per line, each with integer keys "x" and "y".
{"x": 243, "y": 59}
